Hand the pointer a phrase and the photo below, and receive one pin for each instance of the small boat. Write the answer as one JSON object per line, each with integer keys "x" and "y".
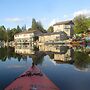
{"x": 32, "y": 79}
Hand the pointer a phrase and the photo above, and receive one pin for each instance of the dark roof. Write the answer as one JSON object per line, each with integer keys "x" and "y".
{"x": 45, "y": 34}
{"x": 64, "y": 22}
{"x": 31, "y": 31}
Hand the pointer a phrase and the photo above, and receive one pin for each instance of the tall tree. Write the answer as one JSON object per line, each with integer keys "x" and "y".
{"x": 24, "y": 28}
{"x": 34, "y": 24}
{"x": 3, "y": 33}
{"x": 37, "y": 26}
{"x": 18, "y": 28}
{"x": 40, "y": 27}
{"x": 80, "y": 24}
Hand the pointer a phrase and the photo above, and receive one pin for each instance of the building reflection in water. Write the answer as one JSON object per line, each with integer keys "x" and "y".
{"x": 24, "y": 49}
{"x": 31, "y": 51}
{"x": 60, "y": 53}
{"x": 79, "y": 56}
{"x": 56, "y": 52}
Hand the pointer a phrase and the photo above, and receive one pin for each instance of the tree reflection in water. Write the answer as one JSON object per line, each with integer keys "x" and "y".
{"x": 81, "y": 58}
{"x": 9, "y": 52}
{"x": 3, "y": 53}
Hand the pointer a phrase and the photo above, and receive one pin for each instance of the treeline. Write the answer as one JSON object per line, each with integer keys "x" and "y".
{"x": 7, "y": 34}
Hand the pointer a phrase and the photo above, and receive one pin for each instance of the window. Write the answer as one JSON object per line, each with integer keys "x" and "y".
{"x": 67, "y": 27}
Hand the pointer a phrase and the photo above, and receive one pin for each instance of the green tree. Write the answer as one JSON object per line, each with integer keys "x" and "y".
{"x": 40, "y": 27}
{"x": 80, "y": 24}
{"x": 34, "y": 24}
{"x": 37, "y": 26}
{"x": 88, "y": 22}
{"x": 50, "y": 29}
{"x": 18, "y": 28}
{"x": 9, "y": 32}
{"x": 24, "y": 28}
{"x": 12, "y": 32}
{"x": 10, "y": 35}
{"x": 3, "y": 33}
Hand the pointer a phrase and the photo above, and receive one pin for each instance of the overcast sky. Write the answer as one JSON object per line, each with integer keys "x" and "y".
{"x": 21, "y": 12}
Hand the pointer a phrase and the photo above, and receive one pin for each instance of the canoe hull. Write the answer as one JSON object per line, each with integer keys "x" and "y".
{"x": 32, "y": 82}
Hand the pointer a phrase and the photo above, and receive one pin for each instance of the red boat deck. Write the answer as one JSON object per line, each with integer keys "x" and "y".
{"x": 33, "y": 79}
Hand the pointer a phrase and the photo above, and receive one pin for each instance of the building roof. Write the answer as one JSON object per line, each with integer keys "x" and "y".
{"x": 49, "y": 33}
{"x": 31, "y": 31}
{"x": 64, "y": 22}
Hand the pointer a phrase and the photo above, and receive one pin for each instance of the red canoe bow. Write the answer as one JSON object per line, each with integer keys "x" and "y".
{"x": 32, "y": 79}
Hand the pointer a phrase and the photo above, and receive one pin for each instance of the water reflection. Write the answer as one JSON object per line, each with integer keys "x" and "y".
{"x": 31, "y": 51}
{"x": 24, "y": 49}
{"x": 82, "y": 58}
{"x": 79, "y": 56}
{"x": 68, "y": 59}
{"x": 3, "y": 53}
{"x": 60, "y": 54}
{"x": 6, "y": 53}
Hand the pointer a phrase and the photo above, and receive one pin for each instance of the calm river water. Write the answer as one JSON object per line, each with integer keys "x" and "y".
{"x": 65, "y": 65}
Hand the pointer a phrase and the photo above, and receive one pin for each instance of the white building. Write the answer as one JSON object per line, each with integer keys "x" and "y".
{"x": 66, "y": 26}
{"x": 53, "y": 37}
{"x": 26, "y": 36}
{"x": 63, "y": 31}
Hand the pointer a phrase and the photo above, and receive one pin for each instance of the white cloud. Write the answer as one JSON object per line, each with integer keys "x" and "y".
{"x": 16, "y": 19}
{"x": 64, "y": 18}
{"x": 54, "y": 21}
{"x": 82, "y": 12}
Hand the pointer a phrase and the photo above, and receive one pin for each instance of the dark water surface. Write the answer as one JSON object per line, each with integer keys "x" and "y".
{"x": 66, "y": 66}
